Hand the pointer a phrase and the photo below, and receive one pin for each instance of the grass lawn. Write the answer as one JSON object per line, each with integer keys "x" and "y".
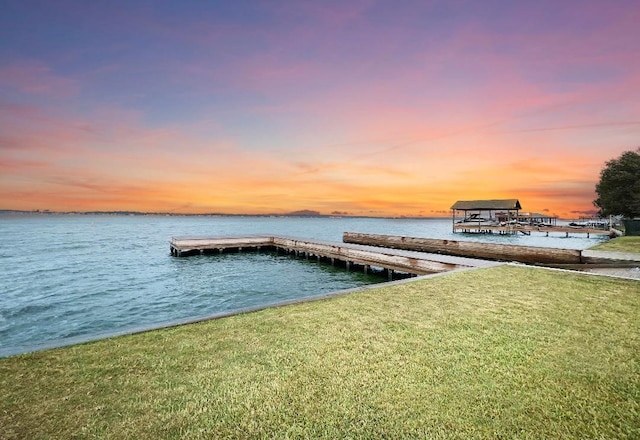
{"x": 506, "y": 352}
{"x": 619, "y": 244}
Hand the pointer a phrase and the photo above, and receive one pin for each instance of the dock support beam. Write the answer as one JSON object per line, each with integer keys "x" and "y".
{"x": 390, "y": 273}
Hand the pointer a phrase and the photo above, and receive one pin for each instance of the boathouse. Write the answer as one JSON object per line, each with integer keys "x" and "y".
{"x": 474, "y": 209}
{"x": 481, "y": 213}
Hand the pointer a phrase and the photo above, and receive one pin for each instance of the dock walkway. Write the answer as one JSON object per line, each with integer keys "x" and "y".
{"x": 630, "y": 259}
{"x": 611, "y": 255}
{"x": 350, "y": 255}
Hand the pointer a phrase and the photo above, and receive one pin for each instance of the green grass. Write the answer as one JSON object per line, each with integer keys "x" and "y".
{"x": 506, "y": 352}
{"x": 620, "y": 244}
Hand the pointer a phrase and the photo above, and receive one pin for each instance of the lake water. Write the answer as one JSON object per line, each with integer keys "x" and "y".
{"x": 72, "y": 278}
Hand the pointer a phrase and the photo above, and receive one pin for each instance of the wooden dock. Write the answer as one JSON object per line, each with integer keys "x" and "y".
{"x": 394, "y": 262}
{"x": 491, "y": 251}
{"x": 526, "y": 230}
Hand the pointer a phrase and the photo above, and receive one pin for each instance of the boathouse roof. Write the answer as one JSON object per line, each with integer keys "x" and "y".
{"x": 486, "y": 205}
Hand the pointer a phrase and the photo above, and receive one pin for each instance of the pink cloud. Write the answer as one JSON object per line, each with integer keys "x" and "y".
{"x": 37, "y": 78}
{"x": 13, "y": 165}
{"x": 335, "y": 15}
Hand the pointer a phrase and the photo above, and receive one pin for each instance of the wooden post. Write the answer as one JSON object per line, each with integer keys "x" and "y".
{"x": 453, "y": 224}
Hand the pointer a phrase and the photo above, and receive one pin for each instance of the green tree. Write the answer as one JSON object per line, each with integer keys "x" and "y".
{"x": 619, "y": 187}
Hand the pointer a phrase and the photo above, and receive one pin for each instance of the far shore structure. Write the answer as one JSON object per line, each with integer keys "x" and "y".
{"x": 504, "y": 216}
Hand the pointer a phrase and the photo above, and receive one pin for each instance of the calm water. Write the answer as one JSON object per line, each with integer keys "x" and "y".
{"x": 72, "y": 278}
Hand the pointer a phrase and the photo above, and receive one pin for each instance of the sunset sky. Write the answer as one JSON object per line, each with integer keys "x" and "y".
{"x": 368, "y": 107}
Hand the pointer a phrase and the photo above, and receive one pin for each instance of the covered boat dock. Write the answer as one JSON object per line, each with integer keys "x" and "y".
{"x": 483, "y": 215}
{"x": 503, "y": 217}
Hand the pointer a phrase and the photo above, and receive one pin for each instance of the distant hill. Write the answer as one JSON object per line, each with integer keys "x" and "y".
{"x": 304, "y": 213}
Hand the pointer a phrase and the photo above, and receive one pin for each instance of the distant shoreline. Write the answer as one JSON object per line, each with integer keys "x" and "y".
{"x": 299, "y": 214}
{"x": 295, "y": 214}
